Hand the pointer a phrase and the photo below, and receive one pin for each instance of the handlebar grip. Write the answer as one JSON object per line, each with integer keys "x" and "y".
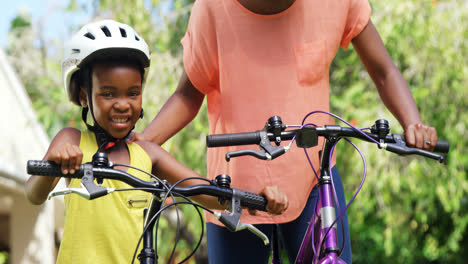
{"x": 442, "y": 146}
{"x": 49, "y": 168}
{"x": 235, "y": 139}
{"x": 251, "y": 200}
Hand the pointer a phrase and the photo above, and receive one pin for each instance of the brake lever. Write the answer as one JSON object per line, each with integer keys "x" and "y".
{"x": 400, "y": 147}
{"x": 232, "y": 220}
{"x": 80, "y": 191}
{"x": 228, "y": 221}
{"x": 255, "y": 231}
{"x": 266, "y": 152}
{"x": 87, "y": 182}
{"x": 89, "y": 190}
{"x": 404, "y": 150}
{"x": 260, "y": 154}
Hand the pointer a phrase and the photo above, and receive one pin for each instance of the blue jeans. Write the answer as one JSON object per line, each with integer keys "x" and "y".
{"x": 225, "y": 247}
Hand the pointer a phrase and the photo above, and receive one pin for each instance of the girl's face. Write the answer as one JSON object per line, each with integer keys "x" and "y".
{"x": 117, "y": 97}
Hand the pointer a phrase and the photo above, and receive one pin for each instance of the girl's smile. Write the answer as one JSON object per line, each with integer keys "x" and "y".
{"x": 120, "y": 122}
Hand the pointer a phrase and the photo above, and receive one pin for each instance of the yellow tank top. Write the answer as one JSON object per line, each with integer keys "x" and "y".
{"x": 107, "y": 229}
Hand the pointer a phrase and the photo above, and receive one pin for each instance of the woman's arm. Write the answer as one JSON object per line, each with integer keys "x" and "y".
{"x": 392, "y": 88}
{"x": 177, "y": 112}
{"x": 63, "y": 150}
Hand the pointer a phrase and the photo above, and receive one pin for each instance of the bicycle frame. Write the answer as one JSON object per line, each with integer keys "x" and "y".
{"x": 323, "y": 227}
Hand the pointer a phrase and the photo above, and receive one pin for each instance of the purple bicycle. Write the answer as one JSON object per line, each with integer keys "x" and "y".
{"x": 320, "y": 243}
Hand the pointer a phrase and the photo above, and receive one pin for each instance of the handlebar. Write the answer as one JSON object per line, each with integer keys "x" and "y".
{"x": 308, "y": 137}
{"x": 100, "y": 168}
{"x": 253, "y": 138}
{"x": 247, "y": 199}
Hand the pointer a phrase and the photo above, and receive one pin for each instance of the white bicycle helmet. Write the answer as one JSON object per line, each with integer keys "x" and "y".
{"x": 102, "y": 39}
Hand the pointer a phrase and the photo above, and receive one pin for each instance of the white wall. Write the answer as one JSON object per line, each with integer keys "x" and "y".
{"x": 32, "y": 232}
{"x": 30, "y": 227}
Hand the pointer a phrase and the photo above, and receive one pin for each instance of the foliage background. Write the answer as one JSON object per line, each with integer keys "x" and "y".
{"x": 410, "y": 210}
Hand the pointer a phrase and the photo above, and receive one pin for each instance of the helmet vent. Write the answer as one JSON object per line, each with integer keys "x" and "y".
{"x": 106, "y": 31}
{"x": 89, "y": 35}
{"x": 137, "y": 38}
{"x": 123, "y": 33}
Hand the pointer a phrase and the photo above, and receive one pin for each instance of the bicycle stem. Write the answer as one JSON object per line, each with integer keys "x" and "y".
{"x": 148, "y": 253}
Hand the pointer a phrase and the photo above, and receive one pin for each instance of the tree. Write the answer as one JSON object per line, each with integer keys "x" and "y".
{"x": 40, "y": 74}
{"x": 410, "y": 210}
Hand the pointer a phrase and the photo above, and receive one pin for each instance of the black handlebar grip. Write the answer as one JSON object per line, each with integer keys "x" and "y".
{"x": 235, "y": 139}
{"x": 251, "y": 200}
{"x": 49, "y": 168}
{"x": 442, "y": 146}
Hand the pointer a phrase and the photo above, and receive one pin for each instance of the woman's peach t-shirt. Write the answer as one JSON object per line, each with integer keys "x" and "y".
{"x": 252, "y": 67}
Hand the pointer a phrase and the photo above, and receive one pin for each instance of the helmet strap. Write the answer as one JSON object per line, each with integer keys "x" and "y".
{"x": 104, "y": 139}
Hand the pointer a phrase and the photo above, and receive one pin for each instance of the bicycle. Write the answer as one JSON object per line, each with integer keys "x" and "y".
{"x": 320, "y": 244}
{"x": 101, "y": 168}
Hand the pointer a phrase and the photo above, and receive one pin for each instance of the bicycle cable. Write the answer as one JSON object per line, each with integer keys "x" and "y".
{"x": 166, "y": 207}
{"x": 178, "y": 222}
{"x": 330, "y": 172}
{"x": 352, "y": 199}
{"x": 188, "y": 201}
{"x": 333, "y": 187}
{"x": 168, "y": 192}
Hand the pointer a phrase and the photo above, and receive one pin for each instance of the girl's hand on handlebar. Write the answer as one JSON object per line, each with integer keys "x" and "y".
{"x": 277, "y": 200}
{"x": 67, "y": 155}
{"x": 421, "y": 136}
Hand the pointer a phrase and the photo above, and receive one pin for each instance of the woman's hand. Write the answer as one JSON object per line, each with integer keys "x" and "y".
{"x": 277, "y": 200}
{"x": 421, "y": 136}
{"x": 136, "y": 137}
{"x": 67, "y": 155}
